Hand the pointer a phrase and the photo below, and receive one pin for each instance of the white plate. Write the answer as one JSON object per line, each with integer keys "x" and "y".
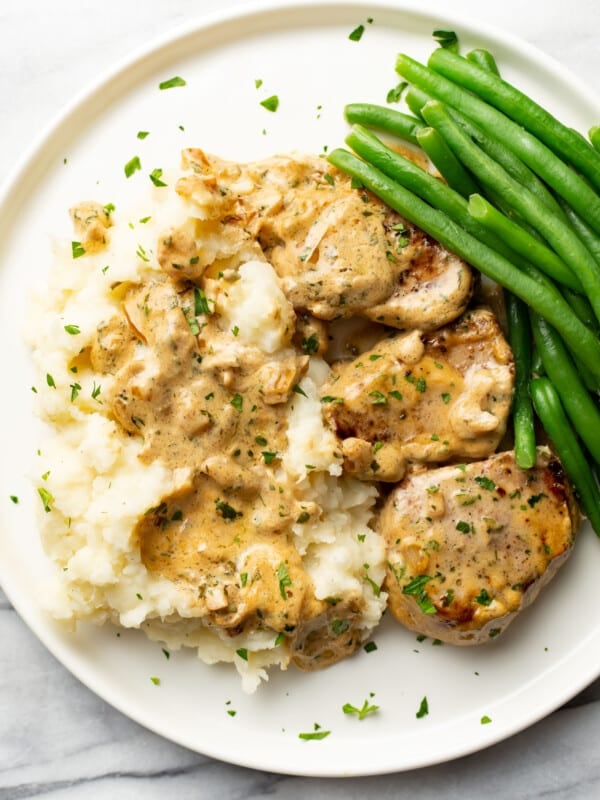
{"x": 303, "y": 54}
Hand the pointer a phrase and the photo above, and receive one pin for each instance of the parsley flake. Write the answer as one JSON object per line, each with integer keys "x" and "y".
{"x": 485, "y": 720}
{"x": 271, "y": 103}
{"x": 133, "y": 165}
{"x": 423, "y": 709}
{"x": 284, "y": 580}
{"x": 155, "y": 680}
{"x": 394, "y": 95}
{"x": 73, "y": 330}
{"x": 142, "y": 134}
{"x": 172, "y": 83}
{"x": 361, "y": 713}
{"x": 46, "y": 497}
{"x": 242, "y": 653}
{"x": 356, "y": 34}
{"x": 155, "y": 176}
{"x": 237, "y": 401}
{"x": 77, "y": 249}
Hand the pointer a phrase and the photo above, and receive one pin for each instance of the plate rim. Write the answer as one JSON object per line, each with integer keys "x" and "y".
{"x": 197, "y": 24}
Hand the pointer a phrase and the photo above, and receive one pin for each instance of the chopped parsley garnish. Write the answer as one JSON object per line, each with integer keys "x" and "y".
{"x": 271, "y": 103}
{"x": 356, "y": 34}
{"x": 485, "y": 483}
{"x": 378, "y": 398}
{"x": 46, "y": 498}
{"x": 284, "y": 580}
{"x": 329, "y": 178}
{"x": 72, "y": 329}
{"x": 192, "y": 324}
{"x": 243, "y": 579}
{"x": 416, "y": 588}
{"x": 421, "y": 385}
{"x": 172, "y": 83}
{"x": 535, "y": 499}
{"x": 395, "y": 394}
{"x": 377, "y": 447}
{"x": 280, "y": 638}
{"x": 177, "y": 516}
{"x": 237, "y": 401}
{"x": 260, "y": 440}
{"x": 303, "y": 517}
{"x": 485, "y": 720}
{"x": 268, "y": 457}
{"x": 242, "y": 653}
{"x": 483, "y": 598}
{"x": 394, "y": 95}
{"x": 142, "y": 134}
{"x": 258, "y": 83}
{"x": 423, "y": 709}
{"x": 299, "y": 390}
{"x": 226, "y": 511}
{"x": 446, "y": 39}
{"x": 14, "y": 499}
{"x": 330, "y": 399}
{"x": 446, "y": 398}
{"x": 96, "y": 392}
{"x": 133, "y": 165}
{"x": 374, "y": 357}
{"x": 155, "y": 680}
{"x": 310, "y": 345}
{"x": 142, "y": 254}
{"x": 235, "y": 330}
{"x": 463, "y": 526}
{"x": 315, "y": 735}
{"x": 339, "y": 626}
{"x": 75, "y": 389}
{"x": 77, "y": 249}
{"x": 374, "y": 586}
{"x": 362, "y": 712}
{"x": 201, "y": 303}
{"x": 144, "y": 220}
{"x": 155, "y": 176}
{"x": 50, "y": 381}
{"x": 370, "y": 647}
{"x": 166, "y": 653}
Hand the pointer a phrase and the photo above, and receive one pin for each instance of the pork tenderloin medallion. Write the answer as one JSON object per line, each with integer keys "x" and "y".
{"x": 338, "y": 250}
{"x": 470, "y": 546}
{"x": 422, "y": 397}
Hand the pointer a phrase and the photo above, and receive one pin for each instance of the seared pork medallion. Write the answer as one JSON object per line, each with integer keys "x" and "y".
{"x": 417, "y": 397}
{"x": 338, "y": 250}
{"x": 469, "y": 546}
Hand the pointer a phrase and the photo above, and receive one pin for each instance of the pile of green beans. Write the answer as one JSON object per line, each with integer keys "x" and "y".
{"x": 518, "y": 198}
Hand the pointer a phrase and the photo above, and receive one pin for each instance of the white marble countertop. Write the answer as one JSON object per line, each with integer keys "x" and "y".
{"x": 59, "y": 740}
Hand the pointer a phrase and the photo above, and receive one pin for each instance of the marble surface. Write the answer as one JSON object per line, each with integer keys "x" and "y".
{"x": 59, "y": 740}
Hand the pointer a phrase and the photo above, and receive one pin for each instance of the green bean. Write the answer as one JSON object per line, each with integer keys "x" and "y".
{"x": 589, "y": 237}
{"x": 383, "y": 118}
{"x": 562, "y": 238}
{"x": 449, "y": 167}
{"x": 594, "y": 135}
{"x": 550, "y": 411}
{"x": 484, "y": 59}
{"x": 437, "y": 194}
{"x": 537, "y": 368}
{"x": 580, "y": 407}
{"x": 581, "y": 306}
{"x": 519, "y": 334}
{"x": 533, "y": 291}
{"x": 415, "y": 99}
{"x": 529, "y": 149}
{"x": 523, "y": 242}
{"x": 511, "y": 163}
{"x": 571, "y": 147}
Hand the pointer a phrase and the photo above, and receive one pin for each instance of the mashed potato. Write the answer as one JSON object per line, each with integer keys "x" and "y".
{"x": 112, "y": 495}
